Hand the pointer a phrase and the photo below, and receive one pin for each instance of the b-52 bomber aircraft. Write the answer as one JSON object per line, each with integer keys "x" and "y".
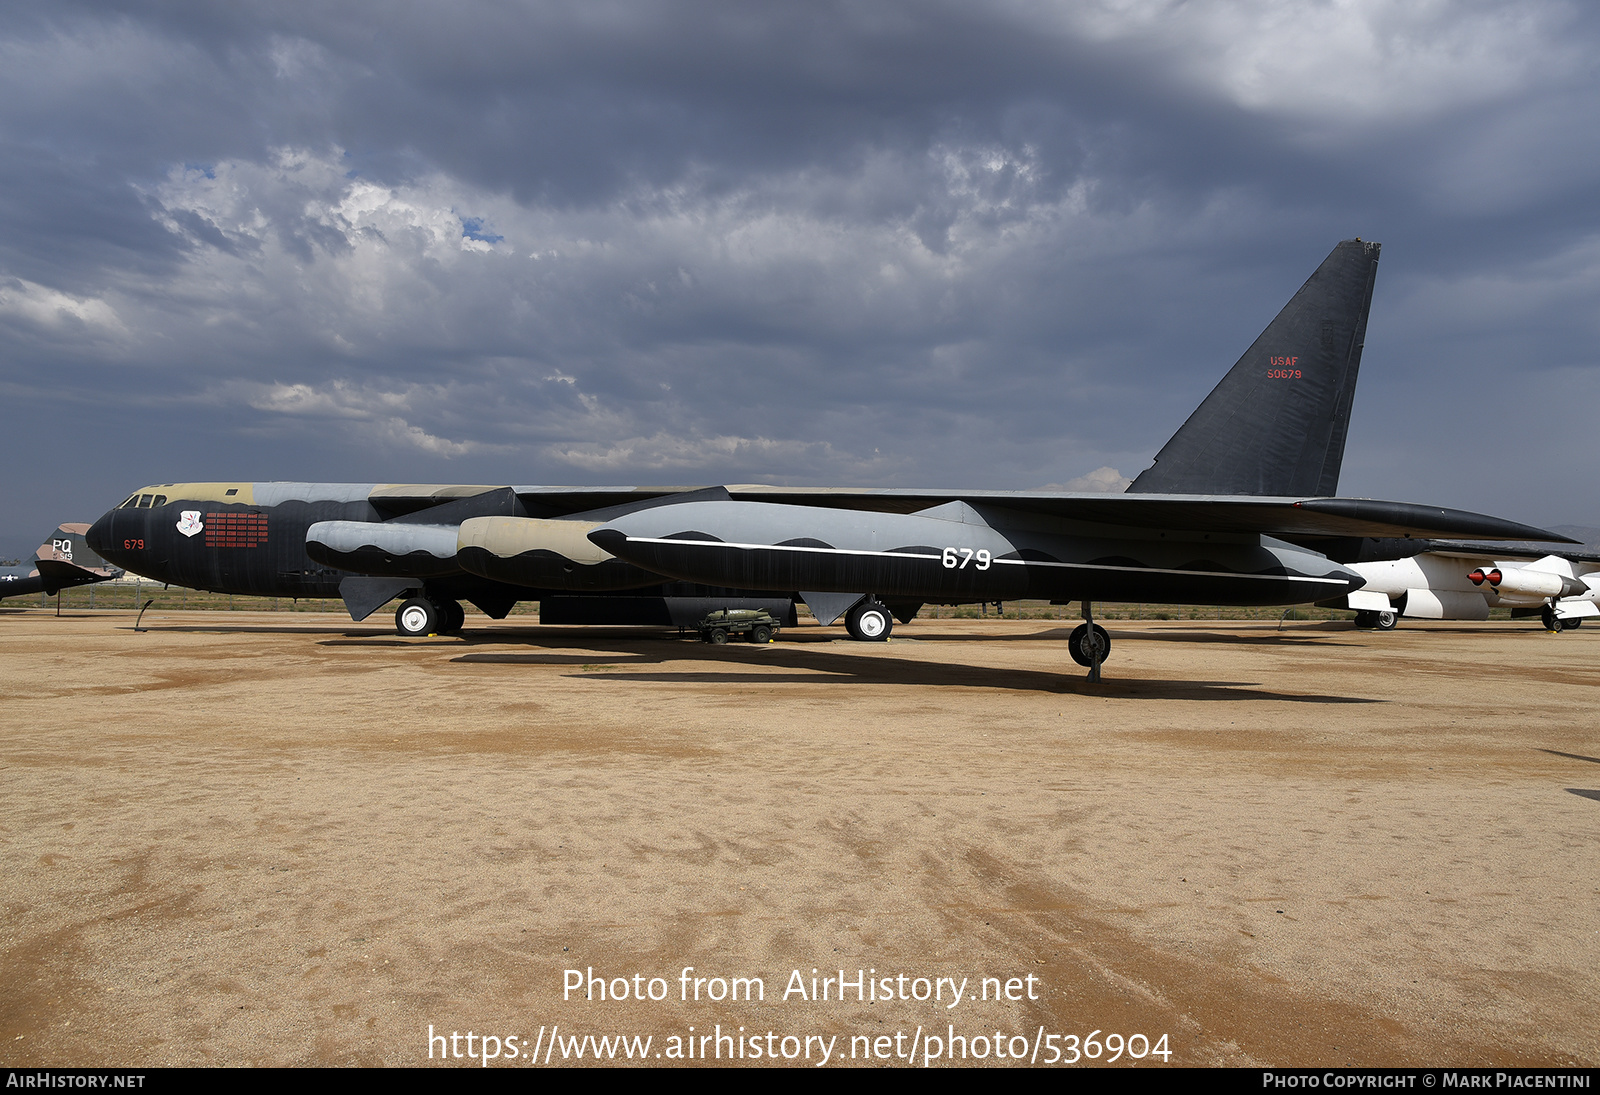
{"x": 1235, "y": 510}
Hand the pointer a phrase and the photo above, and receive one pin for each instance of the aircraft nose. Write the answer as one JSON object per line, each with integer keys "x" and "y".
{"x": 116, "y": 533}
{"x": 99, "y": 537}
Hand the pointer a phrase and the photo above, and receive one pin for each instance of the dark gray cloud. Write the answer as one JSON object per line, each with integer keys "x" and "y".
{"x": 999, "y": 245}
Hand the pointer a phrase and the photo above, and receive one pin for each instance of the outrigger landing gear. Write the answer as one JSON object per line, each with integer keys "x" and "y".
{"x": 1089, "y": 644}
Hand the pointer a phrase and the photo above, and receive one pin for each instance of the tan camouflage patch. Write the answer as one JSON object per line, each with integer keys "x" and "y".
{"x": 508, "y": 537}
{"x": 243, "y": 494}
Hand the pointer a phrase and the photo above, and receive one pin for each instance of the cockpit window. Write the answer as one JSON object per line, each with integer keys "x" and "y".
{"x": 144, "y": 501}
{"x": 230, "y": 492}
{"x": 160, "y": 501}
{"x": 133, "y": 500}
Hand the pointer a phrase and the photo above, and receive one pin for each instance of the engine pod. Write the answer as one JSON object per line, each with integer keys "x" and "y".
{"x": 544, "y": 554}
{"x": 384, "y": 548}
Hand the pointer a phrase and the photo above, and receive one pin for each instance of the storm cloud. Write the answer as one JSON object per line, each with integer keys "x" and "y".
{"x": 990, "y": 245}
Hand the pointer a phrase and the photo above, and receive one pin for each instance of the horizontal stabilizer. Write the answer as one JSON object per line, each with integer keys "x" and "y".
{"x": 62, "y": 574}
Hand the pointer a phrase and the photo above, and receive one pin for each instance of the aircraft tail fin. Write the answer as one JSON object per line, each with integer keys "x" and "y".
{"x": 1276, "y": 424}
{"x": 62, "y": 561}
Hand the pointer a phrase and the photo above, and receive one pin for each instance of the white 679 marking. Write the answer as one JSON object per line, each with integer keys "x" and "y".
{"x": 958, "y": 558}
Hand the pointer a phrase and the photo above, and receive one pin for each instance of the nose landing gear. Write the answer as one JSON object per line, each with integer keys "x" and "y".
{"x": 1089, "y": 644}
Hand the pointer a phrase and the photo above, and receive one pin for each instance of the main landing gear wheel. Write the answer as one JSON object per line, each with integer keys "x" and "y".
{"x": 1551, "y": 623}
{"x": 869, "y": 622}
{"x": 418, "y": 616}
{"x": 1385, "y": 621}
{"x": 1366, "y": 620}
{"x": 1082, "y": 646}
{"x": 1571, "y": 624}
{"x": 451, "y": 617}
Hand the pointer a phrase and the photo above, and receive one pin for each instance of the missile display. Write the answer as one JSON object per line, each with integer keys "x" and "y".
{"x": 1534, "y": 585}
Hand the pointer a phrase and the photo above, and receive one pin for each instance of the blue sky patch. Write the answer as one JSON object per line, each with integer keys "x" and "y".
{"x": 472, "y": 228}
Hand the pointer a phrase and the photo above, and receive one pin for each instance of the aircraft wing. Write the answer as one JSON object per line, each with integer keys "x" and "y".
{"x": 1286, "y": 517}
{"x": 1487, "y": 549}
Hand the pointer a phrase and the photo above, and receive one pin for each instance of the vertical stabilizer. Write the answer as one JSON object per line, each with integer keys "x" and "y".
{"x": 62, "y": 561}
{"x": 1276, "y": 424}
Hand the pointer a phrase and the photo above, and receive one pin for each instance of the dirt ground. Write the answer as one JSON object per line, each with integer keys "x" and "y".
{"x": 289, "y": 839}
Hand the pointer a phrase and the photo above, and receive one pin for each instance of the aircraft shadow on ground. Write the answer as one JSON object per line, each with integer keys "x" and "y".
{"x": 257, "y": 629}
{"x": 799, "y": 665}
{"x": 1583, "y": 793}
{"x": 590, "y": 660}
{"x": 1571, "y": 756}
{"x": 1176, "y": 635}
{"x": 1225, "y": 638}
{"x": 798, "y": 655}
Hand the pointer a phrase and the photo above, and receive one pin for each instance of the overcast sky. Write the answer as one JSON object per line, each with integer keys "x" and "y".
{"x": 1007, "y": 244}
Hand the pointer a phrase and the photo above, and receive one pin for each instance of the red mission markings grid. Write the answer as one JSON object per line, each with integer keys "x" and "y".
{"x": 244, "y": 530}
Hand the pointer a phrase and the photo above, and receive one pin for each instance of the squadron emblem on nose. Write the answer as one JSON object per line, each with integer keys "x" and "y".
{"x": 189, "y": 522}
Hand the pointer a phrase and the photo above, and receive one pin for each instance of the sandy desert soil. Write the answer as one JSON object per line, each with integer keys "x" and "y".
{"x": 264, "y": 838}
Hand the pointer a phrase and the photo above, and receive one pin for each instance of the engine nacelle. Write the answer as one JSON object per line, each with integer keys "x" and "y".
{"x": 544, "y": 554}
{"x": 384, "y": 548}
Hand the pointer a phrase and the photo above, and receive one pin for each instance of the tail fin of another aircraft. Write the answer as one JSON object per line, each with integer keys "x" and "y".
{"x": 1276, "y": 424}
{"x": 62, "y": 561}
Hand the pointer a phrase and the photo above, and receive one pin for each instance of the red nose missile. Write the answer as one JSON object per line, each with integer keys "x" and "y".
{"x": 1479, "y": 576}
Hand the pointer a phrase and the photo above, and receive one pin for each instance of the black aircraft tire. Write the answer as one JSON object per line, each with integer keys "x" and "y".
{"x": 1077, "y": 640}
{"x": 1571, "y": 625}
{"x": 451, "y": 617}
{"x": 1386, "y": 621}
{"x": 417, "y": 617}
{"x": 869, "y": 622}
{"x": 1366, "y": 620}
{"x": 1548, "y": 617}
{"x": 761, "y": 633}
{"x": 719, "y": 637}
